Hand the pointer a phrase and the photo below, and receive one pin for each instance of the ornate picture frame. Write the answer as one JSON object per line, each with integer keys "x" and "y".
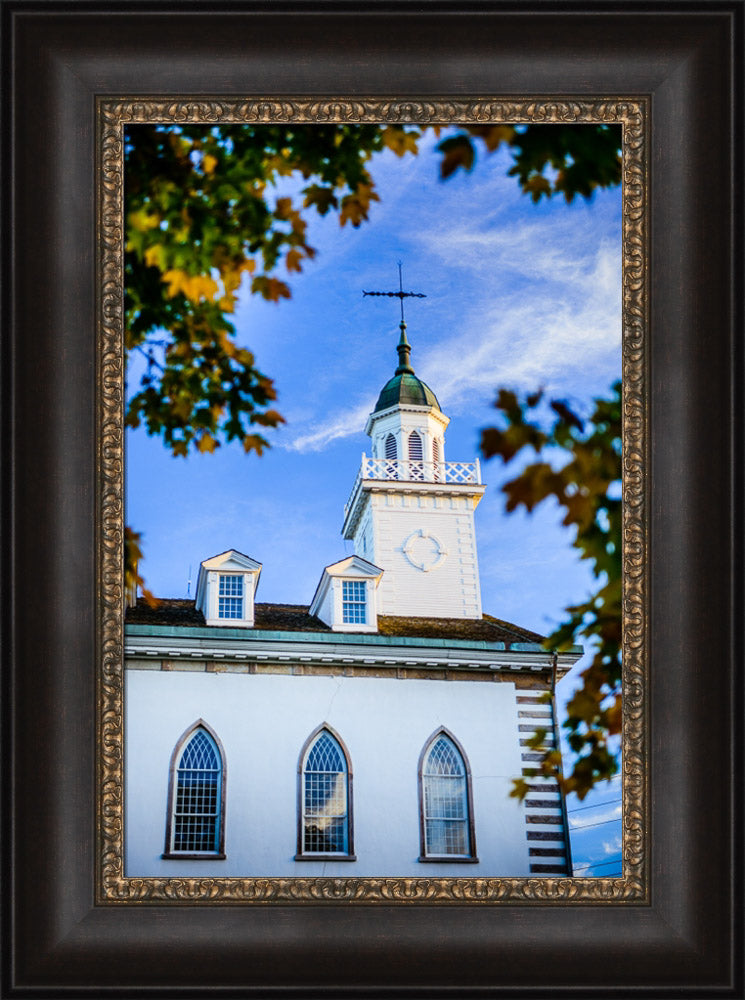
{"x": 113, "y": 117}
{"x": 667, "y": 924}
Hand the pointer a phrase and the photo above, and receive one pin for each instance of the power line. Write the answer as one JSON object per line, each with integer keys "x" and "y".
{"x": 598, "y": 864}
{"x": 598, "y": 805}
{"x": 588, "y": 826}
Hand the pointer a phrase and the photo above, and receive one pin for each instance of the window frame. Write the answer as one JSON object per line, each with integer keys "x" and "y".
{"x": 232, "y": 597}
{"x": 178, "y": 750}
{"x": 355, "y": 603}
{"x": 300, "y": 853}
{"x": 471, "y": 858}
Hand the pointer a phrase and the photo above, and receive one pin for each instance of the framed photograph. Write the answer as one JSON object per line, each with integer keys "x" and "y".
{"x": 409, "y": 649}
{"x": 202, "y": 795}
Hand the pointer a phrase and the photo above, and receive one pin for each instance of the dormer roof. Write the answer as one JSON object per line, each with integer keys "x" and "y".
{"x": 353, "y": 566}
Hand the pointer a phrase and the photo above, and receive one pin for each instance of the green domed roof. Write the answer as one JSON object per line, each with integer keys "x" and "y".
{"x": 405, "y": 388}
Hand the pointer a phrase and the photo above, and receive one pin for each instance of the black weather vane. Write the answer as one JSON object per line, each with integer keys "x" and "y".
{"x": 400, "y": 294}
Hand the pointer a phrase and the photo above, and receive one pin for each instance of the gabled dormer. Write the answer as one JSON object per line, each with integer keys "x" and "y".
{"x": 226, "y": 587}
{"x": 346, "y": 595}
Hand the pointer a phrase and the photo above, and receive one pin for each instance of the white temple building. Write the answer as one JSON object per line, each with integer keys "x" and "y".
{"x": 375, "y": 731}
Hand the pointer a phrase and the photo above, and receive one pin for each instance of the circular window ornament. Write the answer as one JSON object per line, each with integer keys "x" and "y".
{"x": 424, "y": 550}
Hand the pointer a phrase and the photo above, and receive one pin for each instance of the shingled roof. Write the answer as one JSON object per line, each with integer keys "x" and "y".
{"x": 295, "y": 618}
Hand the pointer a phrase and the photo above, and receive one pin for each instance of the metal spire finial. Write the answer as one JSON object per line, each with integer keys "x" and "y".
{"x": 404, "y": 347}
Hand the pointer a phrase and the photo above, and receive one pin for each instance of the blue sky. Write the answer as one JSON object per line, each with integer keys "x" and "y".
{"x": 518, "y": 294}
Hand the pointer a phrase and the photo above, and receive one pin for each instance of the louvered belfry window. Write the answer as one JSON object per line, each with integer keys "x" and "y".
{"x": 325, "y": 795}
{"x": 416, "y": 465}
{"x": 436, "y": 458}
{"x": 197, "y": 797}
{"x": 445, "y": 801}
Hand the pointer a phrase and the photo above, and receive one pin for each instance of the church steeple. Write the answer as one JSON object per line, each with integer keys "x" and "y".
{"x": 411, "y": 512}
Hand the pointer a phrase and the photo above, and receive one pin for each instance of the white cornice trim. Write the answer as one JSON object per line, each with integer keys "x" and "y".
{"x": 284, "y": 651}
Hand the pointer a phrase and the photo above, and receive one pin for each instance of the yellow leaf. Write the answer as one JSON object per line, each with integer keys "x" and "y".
{"x": 209, "y": 162}
{"x": 355, "y": 207}
{"x": 175, "y": 279}
{"x": 194, "y": 287}
{"x": 200, "y": 286}
{"x": 206, "y": 443}
{"x": 252, "y": 442}
{"x": 494, "y": 135}
{"x": 142, "y": 220}
{"x": 271, "y": 289}
{"x": 294, "y": 256}
{"x": 155, "y": 256}
{"x": 399, "y": 140}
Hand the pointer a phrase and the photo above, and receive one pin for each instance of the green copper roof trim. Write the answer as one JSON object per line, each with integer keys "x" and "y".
{"x": 357, "y": 638}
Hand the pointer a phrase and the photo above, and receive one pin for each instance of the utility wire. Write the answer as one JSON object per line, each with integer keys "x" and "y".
{"x": 598, "y": 805}
{"x": 598, "y": 864}
{"x": 588, "y": 826}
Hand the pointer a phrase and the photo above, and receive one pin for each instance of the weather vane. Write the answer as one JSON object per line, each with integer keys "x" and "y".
{"x": 400, "y": 294}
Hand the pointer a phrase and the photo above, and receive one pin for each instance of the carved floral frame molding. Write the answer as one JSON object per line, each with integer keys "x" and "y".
{"x": 112, "y": 886}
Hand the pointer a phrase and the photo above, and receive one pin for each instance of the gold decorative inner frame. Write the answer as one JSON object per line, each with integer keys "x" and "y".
{"x": 113, "y": 115}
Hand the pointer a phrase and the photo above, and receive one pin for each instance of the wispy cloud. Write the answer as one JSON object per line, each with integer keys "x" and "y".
{"x": 341, "y": 424}
{"x": 561, "y": 320}
{"x": 612, "y": 846}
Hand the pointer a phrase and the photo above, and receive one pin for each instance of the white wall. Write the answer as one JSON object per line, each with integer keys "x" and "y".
{"x": 450, "y": 590}
{"x": 263, "y": 721}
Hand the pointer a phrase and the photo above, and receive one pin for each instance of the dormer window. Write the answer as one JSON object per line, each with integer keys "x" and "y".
{"x": 226, "y": 589}
{"x": 230, "y": 596}
{"x": 345, "y": 598}
{"x": 353, "y": 602}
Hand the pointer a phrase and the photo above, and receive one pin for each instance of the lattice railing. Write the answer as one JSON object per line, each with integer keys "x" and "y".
{"x": 423, "y": 472}
{"x": 408, "y": 471}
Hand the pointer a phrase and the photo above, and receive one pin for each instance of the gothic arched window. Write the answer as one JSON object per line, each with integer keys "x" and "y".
{"x": 196, "y": 796}
{"x": 325, "y": 798}
{"x": 447, "y": 831}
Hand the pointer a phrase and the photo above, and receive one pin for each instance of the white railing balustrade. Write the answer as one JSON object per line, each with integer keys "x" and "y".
{"x": 409, "y": 471}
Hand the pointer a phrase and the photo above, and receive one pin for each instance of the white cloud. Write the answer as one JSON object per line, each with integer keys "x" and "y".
{"x": 543, "y": 334}
{"x": 340, "y": 424}
{"x": 612, "y": 846}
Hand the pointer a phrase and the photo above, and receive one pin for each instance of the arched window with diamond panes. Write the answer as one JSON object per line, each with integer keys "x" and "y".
{"x": 445, "y": 801}
{"x": 196, "y": 796}
{"x": 325, "y": 798}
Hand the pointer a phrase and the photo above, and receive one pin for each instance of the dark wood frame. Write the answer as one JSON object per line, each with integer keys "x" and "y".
{"x": 300, "y": 854}
{"x": 472, "y": 858}
{"x": 218, "y": 855}
{"x": 688, "y": 58}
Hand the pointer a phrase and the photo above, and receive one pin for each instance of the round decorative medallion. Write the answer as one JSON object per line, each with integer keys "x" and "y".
{"x": 424, "y": 550}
